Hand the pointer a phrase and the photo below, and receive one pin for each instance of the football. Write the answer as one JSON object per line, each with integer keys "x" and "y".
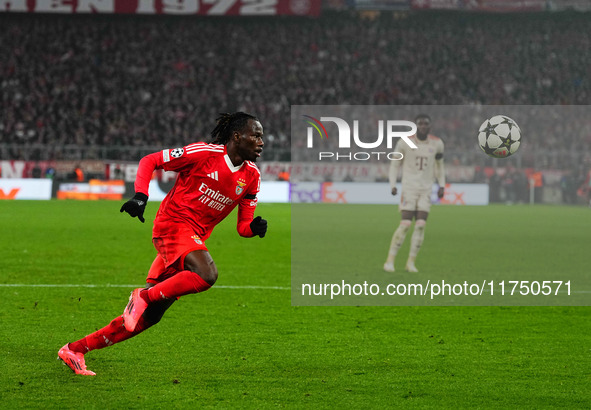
{"x": 499, "y": 136}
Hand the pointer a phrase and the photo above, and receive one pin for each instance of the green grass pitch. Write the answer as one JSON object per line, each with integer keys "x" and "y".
{"x": 242, "y": 345}
{"x": 525, "y": 245}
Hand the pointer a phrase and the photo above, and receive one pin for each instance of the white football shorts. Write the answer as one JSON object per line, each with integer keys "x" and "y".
{"x": 415, "y": 201}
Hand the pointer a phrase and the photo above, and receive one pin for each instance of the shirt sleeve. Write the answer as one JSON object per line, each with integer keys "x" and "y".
{"x": 176, "y": 159}
{"x": 246, "y": 208}
{"x": 146, "y": 168}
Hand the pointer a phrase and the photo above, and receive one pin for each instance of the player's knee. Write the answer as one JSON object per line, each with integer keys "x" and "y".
{"x": 405, "y": 224}
{"x": 210, "y": 275}
{"x": 201, "y": 263}
{"x": 209, "y": 272}
{"x": 420, "y": 224}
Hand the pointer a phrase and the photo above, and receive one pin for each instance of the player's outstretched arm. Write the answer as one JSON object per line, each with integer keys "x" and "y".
{"x": 136, "y": 206}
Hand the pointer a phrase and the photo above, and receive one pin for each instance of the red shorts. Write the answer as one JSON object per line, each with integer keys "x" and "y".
{"x": 173, "y": 242}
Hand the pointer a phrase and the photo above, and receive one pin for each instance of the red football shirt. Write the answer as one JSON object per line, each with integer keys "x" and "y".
{"x": 208, "y": 187}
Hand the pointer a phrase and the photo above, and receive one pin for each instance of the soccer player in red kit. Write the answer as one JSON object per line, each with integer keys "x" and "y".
{"x": 212, "y": 180}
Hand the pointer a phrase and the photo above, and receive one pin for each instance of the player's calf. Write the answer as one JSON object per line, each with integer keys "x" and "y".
{"x": 417, "y": 238}
{"x": 416, "y": 241}
{"x": 396, "y": 243}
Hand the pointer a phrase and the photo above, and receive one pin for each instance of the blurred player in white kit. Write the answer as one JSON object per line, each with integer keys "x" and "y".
{"x": 419, "y": 168}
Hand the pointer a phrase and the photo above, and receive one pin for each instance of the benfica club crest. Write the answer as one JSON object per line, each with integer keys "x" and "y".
{"x": 240, "y": 186}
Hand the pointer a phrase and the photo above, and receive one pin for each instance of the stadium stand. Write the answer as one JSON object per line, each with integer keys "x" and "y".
{"x": 118, "y": 87}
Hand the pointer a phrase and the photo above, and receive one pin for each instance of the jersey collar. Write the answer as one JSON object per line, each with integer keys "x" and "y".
{"x": 231, "y": 166}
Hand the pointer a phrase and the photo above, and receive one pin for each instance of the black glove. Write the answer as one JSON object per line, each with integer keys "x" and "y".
{"x": 258, "y": 226}
{"x": 136, "y": 206}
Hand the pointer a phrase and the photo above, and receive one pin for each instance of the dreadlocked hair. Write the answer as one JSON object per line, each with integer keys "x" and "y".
{"x": 227, "y": 124}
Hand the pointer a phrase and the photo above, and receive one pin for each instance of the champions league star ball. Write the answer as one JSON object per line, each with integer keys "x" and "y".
{"x": 499, "y": 136}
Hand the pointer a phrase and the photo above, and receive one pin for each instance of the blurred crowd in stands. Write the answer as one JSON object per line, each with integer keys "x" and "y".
{"x": 106, "y": 82}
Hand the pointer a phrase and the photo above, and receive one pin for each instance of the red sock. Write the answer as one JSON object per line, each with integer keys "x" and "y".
{"x": 113, "y": 333}
{"x": 183, "y": 283}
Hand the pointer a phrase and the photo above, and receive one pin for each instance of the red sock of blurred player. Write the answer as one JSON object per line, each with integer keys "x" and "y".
{"x": 113, "y": 333}
{"x": 183, "y": 283}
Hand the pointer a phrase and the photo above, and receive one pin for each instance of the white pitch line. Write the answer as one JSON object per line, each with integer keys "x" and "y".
{"x": 107, "y": 285}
